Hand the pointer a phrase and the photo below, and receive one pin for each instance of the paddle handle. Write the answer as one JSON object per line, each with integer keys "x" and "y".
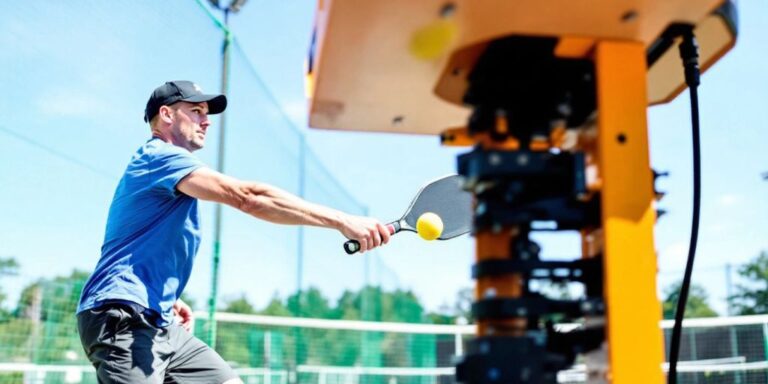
{"x": 352, "y": 246}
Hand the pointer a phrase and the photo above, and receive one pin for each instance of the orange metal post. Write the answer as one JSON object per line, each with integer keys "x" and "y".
{"x": 633, "y": 333}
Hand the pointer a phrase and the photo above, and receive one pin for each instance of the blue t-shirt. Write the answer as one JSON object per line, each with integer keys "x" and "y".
{"x": 152, "y": 234}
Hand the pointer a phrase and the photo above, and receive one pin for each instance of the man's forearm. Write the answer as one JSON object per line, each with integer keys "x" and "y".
{"x": 261, "y": 200}
{"x": 278, "y": 206}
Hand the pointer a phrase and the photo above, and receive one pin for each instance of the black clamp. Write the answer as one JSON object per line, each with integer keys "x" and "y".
{"x": 535, "y": 306}
{"x": 554, "y": 173}
{"x": 508, "y": 360}
{"x": 583, "y": 270}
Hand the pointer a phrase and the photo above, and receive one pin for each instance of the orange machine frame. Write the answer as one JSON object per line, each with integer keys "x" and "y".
{"x": 402, "y": 66}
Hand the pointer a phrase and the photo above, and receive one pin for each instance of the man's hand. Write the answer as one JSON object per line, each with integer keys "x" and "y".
{"x": 184, "y": 314}
{"x": 370, "y": 233}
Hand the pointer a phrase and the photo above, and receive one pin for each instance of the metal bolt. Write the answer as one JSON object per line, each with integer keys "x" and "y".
{"x": 525, "y": 374}
{"x": 397, "y": 120}
{"x": 522, "y": 311}
{"x": 481, "y": 208}
{"x": 485, "y": 348}
{"x": 494, "y": 159}
{"x": 586, "y": 306}
{"x": 448, "y": 10}
{"x": 489, "y": 292}
{"x": 539, "y": 338}
{"x": 522, "y": 159}
{"x": 493, "y": 374}
{"x": 629, "y": 16}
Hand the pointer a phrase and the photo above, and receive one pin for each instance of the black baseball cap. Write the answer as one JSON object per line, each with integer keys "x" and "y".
{"x": 182, "y": 90}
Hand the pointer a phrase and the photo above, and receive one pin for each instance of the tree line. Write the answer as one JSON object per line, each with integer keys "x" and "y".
{"x": 41, "y": 328}
{"x": 375, "y": 304}
{"x": 750, "y": 298}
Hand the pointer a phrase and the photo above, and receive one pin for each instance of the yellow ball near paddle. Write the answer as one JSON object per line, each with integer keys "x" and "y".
{"x": 429, "y": 226}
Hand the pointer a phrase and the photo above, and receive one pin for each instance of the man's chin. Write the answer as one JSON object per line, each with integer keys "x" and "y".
{"x": 197, "y": 145}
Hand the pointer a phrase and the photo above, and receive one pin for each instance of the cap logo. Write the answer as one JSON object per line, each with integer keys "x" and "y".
{"x": 197, "y": 88}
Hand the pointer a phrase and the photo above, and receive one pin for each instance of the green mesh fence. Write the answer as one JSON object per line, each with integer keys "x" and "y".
{"x": 39, "y": 344}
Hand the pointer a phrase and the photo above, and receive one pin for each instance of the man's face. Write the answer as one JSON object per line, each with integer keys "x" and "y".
{"x": 190, "y": 123}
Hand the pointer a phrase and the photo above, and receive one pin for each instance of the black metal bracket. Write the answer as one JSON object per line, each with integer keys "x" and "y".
{"x": 583, "y": 270}
{"x": 487, "y": 361}
{"x": 535, "y": 306}
{"x": 524, "y": 187}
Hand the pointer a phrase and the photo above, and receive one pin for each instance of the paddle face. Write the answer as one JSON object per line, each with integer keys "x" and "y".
{"x": 445, "y": 198}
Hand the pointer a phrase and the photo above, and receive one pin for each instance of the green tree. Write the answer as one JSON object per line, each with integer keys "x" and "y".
{"x": 44, "y": 329}
{"x": 751, "y": 298}
{"x": 239, "y": 305}
{"x": 460, "y": 312}
{"x": 235, "y": 341}
{"x": 443, "y": 315}
{"x": 275, "y": 307}
{"x": 373, "y": 304}
{"x": 309, "y": 303}
{"x": 695, "y": 306}
{"x": 463, "y": 306}
{"x": 8, "y": 267}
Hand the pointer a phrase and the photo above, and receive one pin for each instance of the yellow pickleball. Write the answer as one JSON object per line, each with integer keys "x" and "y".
{"x": 429, "y": 226}
{"x": 433, "y": 40}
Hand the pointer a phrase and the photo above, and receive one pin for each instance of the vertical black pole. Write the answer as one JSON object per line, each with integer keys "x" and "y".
{"x": 217, "y": 209}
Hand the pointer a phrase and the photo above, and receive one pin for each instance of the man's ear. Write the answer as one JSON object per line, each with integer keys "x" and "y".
{"x": 166, "y": 114}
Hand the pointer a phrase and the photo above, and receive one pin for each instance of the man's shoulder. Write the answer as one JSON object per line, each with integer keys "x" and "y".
{"x": 157, "y": 146}
{"x": 156, "y": 149}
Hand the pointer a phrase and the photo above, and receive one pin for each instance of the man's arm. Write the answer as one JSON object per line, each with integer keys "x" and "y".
{"x": 275, "y": 205}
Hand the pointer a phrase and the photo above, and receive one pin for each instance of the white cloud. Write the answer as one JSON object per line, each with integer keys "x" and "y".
{"x": 729, "y": 200}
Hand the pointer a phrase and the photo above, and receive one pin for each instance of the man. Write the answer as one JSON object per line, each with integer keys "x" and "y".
{"x": 127, "y": 310}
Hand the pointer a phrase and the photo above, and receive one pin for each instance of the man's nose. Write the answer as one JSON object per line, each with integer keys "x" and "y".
{"x": 206, "y": 122}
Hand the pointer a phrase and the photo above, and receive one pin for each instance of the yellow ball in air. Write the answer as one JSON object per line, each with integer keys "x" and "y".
{"x": 433, "y": 40}
{"x": 429, "y": 226}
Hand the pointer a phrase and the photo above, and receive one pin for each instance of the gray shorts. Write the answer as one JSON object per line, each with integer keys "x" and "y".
{"x": 125, "y": 346}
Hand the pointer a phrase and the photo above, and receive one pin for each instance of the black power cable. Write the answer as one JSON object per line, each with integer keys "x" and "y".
{"x": 689, "y": 52}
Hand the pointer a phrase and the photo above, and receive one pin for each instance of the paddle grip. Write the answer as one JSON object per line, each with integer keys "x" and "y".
{"x": 352, "y": 246}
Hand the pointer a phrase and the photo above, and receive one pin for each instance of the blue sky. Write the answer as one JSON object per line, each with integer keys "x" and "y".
{"x": 80, "y": 75}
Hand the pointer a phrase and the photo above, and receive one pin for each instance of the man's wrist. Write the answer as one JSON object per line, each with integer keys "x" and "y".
{"x": 338, "y": 221}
